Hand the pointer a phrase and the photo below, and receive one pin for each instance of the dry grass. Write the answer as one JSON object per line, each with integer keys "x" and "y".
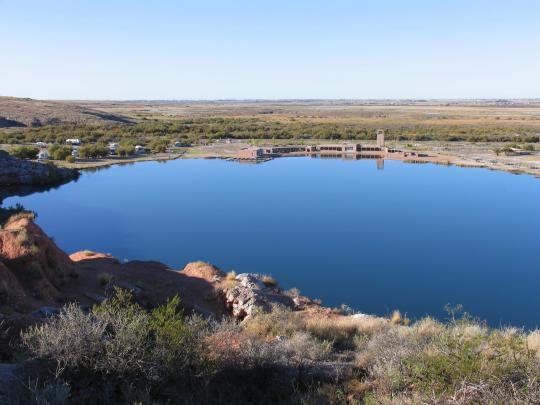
{"x": 23, "y": 237}
{"x": 21, "y": 215}
{"x": 230, "y": 280}
{"x": 279, "y": 322}
{"x": 27, "y": 112}
{"x": 269, "y": 281}
{"x": 341, "y": 330}
{"x": 533, "y": 342}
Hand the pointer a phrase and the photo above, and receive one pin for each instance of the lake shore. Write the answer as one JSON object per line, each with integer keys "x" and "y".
{"x": 462, "y": 154}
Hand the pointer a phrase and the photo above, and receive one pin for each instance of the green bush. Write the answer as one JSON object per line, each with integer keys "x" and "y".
{"x": 119, "y": 342}
{"x": 59, "y": 152}
{"x": 24, "y": 152}
{"x": 125, "y": 149}
{"x": 158, "y": 145}
{"x": 93, "y": 151}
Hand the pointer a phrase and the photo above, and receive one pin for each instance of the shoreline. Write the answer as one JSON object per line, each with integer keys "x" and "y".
{"x": 448, "y": 159}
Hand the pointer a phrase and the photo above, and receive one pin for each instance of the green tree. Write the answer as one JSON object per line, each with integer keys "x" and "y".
{"x": 59, "y": 152}
{"x": 25, "y": 152}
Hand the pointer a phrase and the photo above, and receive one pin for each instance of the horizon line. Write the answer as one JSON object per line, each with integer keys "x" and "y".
{"x": 371, "y": 99}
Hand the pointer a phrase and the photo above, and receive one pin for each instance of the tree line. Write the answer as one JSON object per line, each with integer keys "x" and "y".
{"x": 207, "y": 129}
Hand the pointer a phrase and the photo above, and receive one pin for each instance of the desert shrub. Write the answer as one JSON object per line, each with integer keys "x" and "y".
{"x": 343, "y": 330}
{"x": 258, "y": 353}
{"x": 397, "y": 319}
{"x": 533, "y": 342}
{"x": 71, "y": 340}
{"x": 93, "y": 151}
{"x": 24, "y": 152}
{"x": 462, "y": 362}
{"x": 119, "y": 346}
{"x": 59, "y": 152}
{"x": 230, "y": 280}
{"x": 158, "y": 145}
{"x": 180, "y": 343}
{"x": 269, "y": 281}
{"x": 125, "y": 149}
{"x": 301, "y": 347}
{"x": 280, "y": 321}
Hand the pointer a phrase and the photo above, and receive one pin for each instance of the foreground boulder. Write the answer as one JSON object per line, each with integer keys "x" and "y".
{"x": 250, "y": 295}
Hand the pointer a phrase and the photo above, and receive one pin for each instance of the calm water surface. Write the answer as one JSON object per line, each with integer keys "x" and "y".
{"x": 412, "y": 237}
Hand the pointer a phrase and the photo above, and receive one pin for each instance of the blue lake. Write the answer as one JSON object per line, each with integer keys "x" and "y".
{"x": 408, "y": 237}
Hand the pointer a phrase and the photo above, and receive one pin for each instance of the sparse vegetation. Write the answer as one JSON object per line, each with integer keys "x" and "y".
{"x": 125, "y": 351}
{"x": 158, "y": 134}
{"x": 158, "y": 145}
{"x": 230, "y": 279}
{"x": 159, "y": 356}
{"x": 269, "y": 281}
{"x": 24, "y": 152}
{"x": 59, "y": 152}
{"x": 14, "y": 213}
{"x": 93, "y": 151}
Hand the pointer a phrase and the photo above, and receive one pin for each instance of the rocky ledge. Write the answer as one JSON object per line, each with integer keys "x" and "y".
{"x": 17, "y": 172}
{"x": 250, "y": 295}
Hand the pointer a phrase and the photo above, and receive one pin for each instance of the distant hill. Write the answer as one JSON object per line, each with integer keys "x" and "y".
{"x": 26, "y": 112}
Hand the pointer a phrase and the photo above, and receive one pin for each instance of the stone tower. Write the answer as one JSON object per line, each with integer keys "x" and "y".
{"x": 380, "y": 138}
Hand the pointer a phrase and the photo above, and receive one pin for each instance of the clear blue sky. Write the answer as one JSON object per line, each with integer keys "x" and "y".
{"x": 246, "y": 49}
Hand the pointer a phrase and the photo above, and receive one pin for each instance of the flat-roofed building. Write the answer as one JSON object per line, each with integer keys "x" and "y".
{"x": 251, "y": 153}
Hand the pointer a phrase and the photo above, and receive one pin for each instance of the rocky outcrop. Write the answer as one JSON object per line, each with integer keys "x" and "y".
{"x": 250, "y": 294}
{"x": 203, "y": 270}
{"x": 33, "y": 269}
{"x": 17, "y": 172}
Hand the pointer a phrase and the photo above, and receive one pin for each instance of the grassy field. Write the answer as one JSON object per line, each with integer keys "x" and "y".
{"x": 289, "y": 120}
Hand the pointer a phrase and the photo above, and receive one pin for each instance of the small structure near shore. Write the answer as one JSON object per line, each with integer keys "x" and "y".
{"x": 352, "y": 150}
{"x": 251, "y": 153}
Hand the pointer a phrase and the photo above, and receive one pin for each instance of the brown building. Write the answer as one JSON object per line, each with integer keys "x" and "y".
{"x": 250, "y": 153}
